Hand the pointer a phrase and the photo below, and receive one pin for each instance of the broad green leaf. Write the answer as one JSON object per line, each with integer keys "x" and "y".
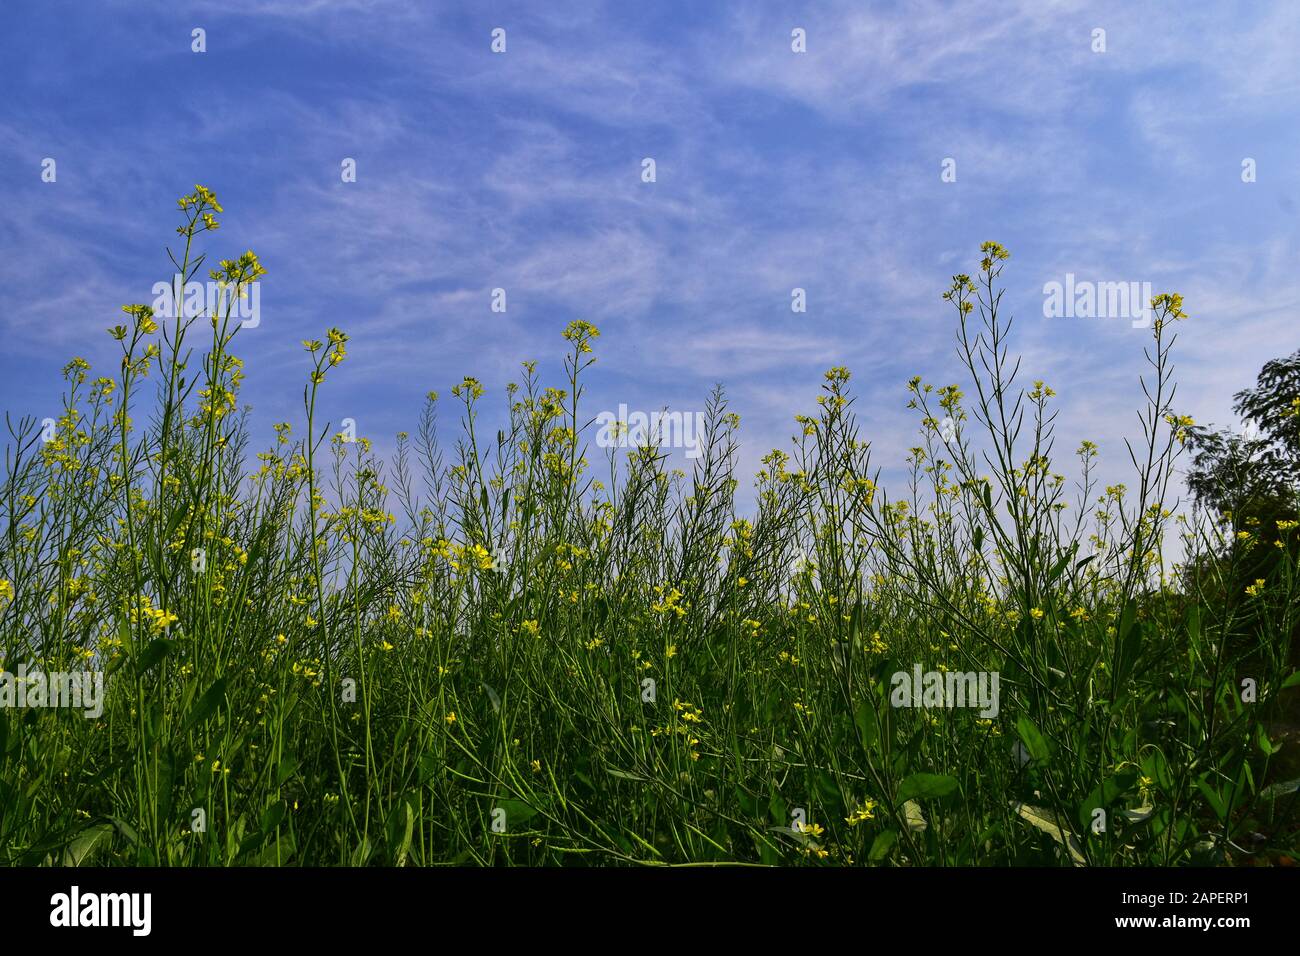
{"x": 1217, "y": 803}
{"x": 82, "y": 848}
{"x": 799, "y": 836}
{"x": 517, "y": 812}
{"x": 913, "y": 817}
{"x": 126, "y": 830}
{"x": 152, "y": 655}
{"x": 430, "y": 766}
{"x": 926, "y": 786}
{"x": 1035, "y": 743}
{"x": 123, "y": 635}
{"x": 204, "y": 707}
{"x": 272, "y": 816}
{"x": 868, "y": 726}
{"x": 1266, "y": 746}
{"x": 362, "y": 853}
{"x": 1051, "y": 824}
{"x": 401, "y": 822}
{"x": 1106, "y": 794}
{"x": 881, "y": 845}
{"x": 1284, "y": 789}
{"x": 288, "y": 767}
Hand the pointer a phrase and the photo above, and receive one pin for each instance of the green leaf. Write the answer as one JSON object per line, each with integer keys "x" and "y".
{"x": 1059, "y": 566}
{"x": 255, "y": 551}
{"x": 82, "y": 848}
{"x": 204, "y": 707}
{"x": 174, "y": 521}
{"x": 1140, "y": 815}
{"x": 251, "y": 841}
{"x": 277, "y": 852}
{"x": 1266, "y": 746}
{"x": 1035, "y": 743}
{"x": 1130, "y": 644}
{"x": 288, "y": 767}
{"x": 926, "y": 786}
{"x": 832, "y": 796}
{"x": 624, "y": 775}
{"x": 153, "y": 655}
{"x": 1127, "y": 618}
{"x": 777, "y": 807}
{"x": 868, "y": 726}
{"x": 1105, "y": 794}
{"x": 430, "y": 766}
{"x": 126, "y": 830}
{"x": 1278, "y": 790}
{"x": 165, "y": 785}
{"x": 401, "y": 822}
{"x": 800, "y": 837}
{"x": 271, "y": 817}
{"x": 913, "y": 816}
{"x": 1214, "y": 798}
{"x": 154, "y": 716}
{"x": 517, "y": 812}
{"x": 1053, "y": 826}
{"x": 881, "y": 845}
{"x": 361, "y": 855}
{"x": 1292, "y": 680}
{"x": 767, "y": 854}
{"x": 123, "y": 635}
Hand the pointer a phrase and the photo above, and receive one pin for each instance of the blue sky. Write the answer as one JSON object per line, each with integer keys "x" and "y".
{"x": 775, "y": 170}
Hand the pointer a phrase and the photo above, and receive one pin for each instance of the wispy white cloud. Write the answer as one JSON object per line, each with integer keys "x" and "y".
{"x": 775, "y": 170}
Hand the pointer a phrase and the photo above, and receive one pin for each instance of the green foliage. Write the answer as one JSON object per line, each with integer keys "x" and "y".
{"x": 317, "y": 658}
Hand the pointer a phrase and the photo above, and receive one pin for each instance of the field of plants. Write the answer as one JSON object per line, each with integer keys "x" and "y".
{"x": 516, "y": 648}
